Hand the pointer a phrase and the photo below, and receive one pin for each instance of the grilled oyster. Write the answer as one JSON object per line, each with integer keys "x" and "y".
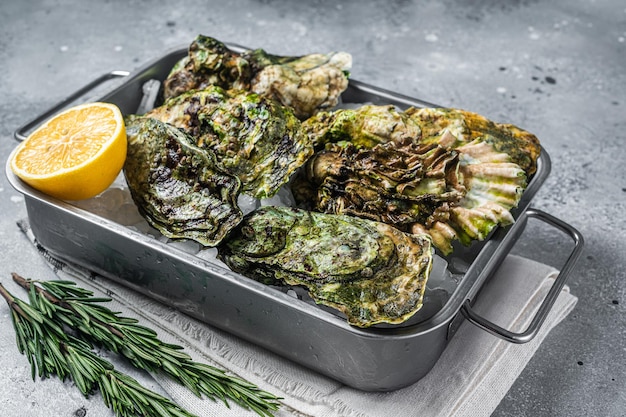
{"x": 306, "y": 83}
{"x": 176, "y": 185}
{"x": 370, "y": 271}
{"x": 448, "y": 173}
{"x": 254, "y": 137}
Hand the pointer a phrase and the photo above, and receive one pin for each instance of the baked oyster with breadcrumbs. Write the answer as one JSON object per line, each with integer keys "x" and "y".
{"x": 306, "y": 84}
{"x": 451, "y": 174}
{"x": 370, "y": 271}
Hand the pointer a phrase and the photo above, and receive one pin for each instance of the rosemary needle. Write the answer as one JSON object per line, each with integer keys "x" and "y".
{"x": 51, "y": 351}
{"x": 76, "y": 307}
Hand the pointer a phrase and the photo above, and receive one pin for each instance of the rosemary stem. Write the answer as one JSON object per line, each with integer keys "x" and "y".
{"x": 78, "y": 308}
{"x": 53, "y": 352}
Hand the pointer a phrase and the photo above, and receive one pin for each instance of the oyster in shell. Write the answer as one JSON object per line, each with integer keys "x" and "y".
{"x": 177, "y": 186}
{"x": 254, "y": 137}
{"x": 448, "y": 173}
{"x": 365, "y": 127}
{"x": 521, "y": 147}
{"x": 208, "y": 62}
{"x": 306, "y": 84}
{"x": 370, "y": 271}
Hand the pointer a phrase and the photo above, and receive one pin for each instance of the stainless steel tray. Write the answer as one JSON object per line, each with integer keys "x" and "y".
{"x": 380, "y": 358}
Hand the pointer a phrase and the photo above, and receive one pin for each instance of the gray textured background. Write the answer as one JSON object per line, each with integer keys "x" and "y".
{"x": 554, "y": 68}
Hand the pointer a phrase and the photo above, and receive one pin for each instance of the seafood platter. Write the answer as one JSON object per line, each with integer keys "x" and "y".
{"x": 343, "y": 226}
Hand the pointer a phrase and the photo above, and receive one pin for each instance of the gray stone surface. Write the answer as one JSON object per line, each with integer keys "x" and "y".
{"x": 554, "y": 68}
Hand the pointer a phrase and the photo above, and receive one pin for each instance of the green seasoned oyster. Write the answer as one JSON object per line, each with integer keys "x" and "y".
{"x": 370, "y": 271}
{"x": 451, "y": 174}
{"x": 306, "y": 84}
{"x": 254, "y": 138}
{"x": 177, "y": 186}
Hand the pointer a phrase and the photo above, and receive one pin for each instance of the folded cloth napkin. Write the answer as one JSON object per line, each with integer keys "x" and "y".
{"x": 471, "y": 377}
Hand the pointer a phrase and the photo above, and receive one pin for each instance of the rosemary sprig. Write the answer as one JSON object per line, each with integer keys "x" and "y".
{"x": 51, "y": 351}
{"x": 77, "y": 308}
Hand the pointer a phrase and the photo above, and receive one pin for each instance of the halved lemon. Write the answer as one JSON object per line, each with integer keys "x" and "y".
{"x": 76, "y": 154}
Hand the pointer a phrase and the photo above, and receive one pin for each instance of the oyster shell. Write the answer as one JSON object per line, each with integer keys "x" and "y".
{"x": 448, "y": 173}
{"x": 521, "y": 147}
{"x": 306, "y": 84}
{"x": 365, "y": 127}
{"x": 370, "y": 271}
{"x": 208, "y": 62}
{"x": 254, "y": 137}
{"x": 177, "y": 186}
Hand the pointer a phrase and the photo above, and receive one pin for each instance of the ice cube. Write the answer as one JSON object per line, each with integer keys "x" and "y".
{"x": 282, "y": 198}
{"x": 186, "y": 245}
{"x": 210, "y": 254}
{"x": 440, "y": 277}
{"x": 247, "y": 203}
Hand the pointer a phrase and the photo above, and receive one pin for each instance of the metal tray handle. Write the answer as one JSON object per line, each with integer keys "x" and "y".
{"x": 21, "y": 133}
{"x": 534, "y": 326}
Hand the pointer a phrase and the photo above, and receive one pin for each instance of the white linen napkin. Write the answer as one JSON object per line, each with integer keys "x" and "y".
{"x": 472, "y": 376}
